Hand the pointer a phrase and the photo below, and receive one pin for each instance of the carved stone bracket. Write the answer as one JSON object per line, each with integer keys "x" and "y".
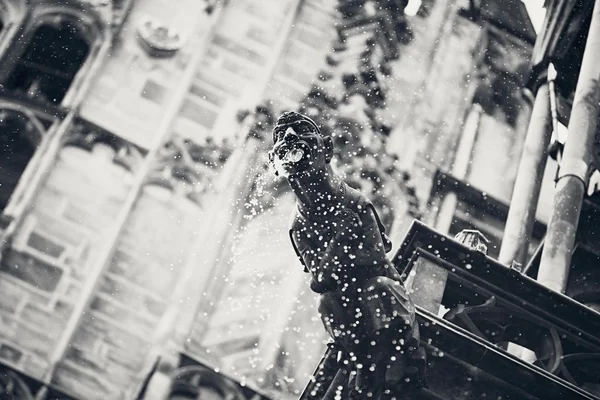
{"x": 86, "y": 136}
{"x": 157, "y": 39}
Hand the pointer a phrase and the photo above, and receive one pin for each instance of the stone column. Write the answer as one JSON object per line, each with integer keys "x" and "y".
{"x": 526, "y": 192}
{"x": 573, "y": 174}
{"x": 460, "y": 168}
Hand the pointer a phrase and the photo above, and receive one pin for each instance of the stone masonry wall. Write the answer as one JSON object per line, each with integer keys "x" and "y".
{"x": 437, "y": 120}
{"x": 431, "y": 118}
{"x": 113, "y": 345}
{"x": 411, "y": 71}
{"x": 53, "y": 252}
{"x": 132, "y": 92}
{"x": 304, "y": 55}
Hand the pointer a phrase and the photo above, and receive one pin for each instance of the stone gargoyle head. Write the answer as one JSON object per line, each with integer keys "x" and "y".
{"x": 299, "y": 147}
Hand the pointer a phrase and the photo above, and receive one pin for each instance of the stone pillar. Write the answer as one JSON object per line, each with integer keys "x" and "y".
{"x": 573, "y": 174}
{"x": 526, "y": 192}
{"x": 460, "y": 168}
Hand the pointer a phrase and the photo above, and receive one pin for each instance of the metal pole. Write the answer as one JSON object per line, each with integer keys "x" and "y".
{"x": 574, "y": 169}
{"x": 526, "y": 192}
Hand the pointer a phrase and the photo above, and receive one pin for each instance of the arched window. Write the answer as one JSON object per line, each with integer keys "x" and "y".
{"x": 19, "y": 136}
{"x": 55, "y": 53}
{"x": 12, "y": 386}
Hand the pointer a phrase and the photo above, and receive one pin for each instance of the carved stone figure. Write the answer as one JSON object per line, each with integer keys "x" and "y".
{"x": 338, "y": 237}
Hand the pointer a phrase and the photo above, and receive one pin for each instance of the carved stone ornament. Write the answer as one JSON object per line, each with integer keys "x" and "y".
{"x": 86, "y": 136}
{"x": 158, "y": 39}
{"x": 189, "y": 168}
{"x": 474, "y": 239}
{"x": 339, "y": 238}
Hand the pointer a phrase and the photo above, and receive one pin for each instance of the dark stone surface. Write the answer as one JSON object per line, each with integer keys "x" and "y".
{"x": 499, "y": 305}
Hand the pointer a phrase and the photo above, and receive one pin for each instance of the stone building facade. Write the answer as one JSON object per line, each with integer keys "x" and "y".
{"x": 143, "y": 236}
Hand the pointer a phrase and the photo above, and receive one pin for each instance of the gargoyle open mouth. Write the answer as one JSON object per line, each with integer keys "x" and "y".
{"x": 294, "y": 154}
{"x": 291, "y": 158}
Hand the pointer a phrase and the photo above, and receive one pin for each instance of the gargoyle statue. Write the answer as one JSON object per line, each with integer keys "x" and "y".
{"x": 341, "y": 242}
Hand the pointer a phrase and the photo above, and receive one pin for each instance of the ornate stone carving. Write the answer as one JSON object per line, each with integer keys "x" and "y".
{"x": 385, "y": 18}
{"x": 366, "y": 84}
{"x": 158, "y": 39}
{"x": 473, "y": 239}
{"x": 341, "y": 241}
{"x": 86, "y": 136}
{"x": 189, "y": 168}
{"x": 501, "y": 78}
{"x": 259, "y": 121}
{"x": 353, "y": 119}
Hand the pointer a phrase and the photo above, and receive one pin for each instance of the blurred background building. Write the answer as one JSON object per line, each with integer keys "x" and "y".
{"x": 144, "y": 239}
